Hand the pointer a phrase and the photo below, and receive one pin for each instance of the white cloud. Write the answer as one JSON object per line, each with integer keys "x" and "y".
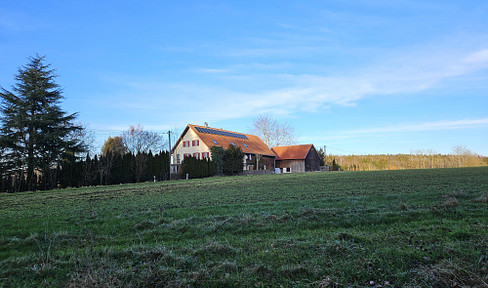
{"x": 402, "y": 129}
{"x": 239, "y": 90}
{"x": 426, "y": 126}
{"x": 478, "y": 57}
{"x": 211, "y": 71}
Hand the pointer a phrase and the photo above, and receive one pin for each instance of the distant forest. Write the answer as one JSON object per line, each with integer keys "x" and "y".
{"x": 403, "y": 161}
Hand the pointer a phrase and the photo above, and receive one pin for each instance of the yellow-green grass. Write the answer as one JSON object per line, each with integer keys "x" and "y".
{"x": 390, "y": 228}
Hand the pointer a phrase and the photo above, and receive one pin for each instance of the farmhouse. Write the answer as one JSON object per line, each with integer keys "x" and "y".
{"x": 297, "y": 158}
{"x": 197, "y": 140}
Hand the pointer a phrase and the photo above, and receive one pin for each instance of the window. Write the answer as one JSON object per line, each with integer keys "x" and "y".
{"x": 186, "y": 155}
{"x": 205, "y": 155}
{"x": 215, "y": 142}
{"x": 178, "y": 159}
{"x": 196, "y": 155}
{"x": 195, "y": 142}
{"x": 232, "y": 143}
{"x": 245, "y": 145}
{"x": 186, "y": 143}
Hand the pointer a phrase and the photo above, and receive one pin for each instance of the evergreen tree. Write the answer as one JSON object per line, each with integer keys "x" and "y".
{"x": 217, "y": 153}
{"x": 117, "y": 169}
{"x": 233, "y": 160}
{"x": 36, "y": 134}
{"x": 322, "y": 156}
{"x": 139, "y": 166}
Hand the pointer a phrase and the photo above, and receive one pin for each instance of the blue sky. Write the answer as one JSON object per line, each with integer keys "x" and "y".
{"x": 362, "y": 77}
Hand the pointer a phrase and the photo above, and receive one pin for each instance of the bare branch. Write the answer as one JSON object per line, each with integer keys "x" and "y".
{"x": 272, "y": 132}
{"x": 136, "y": 139}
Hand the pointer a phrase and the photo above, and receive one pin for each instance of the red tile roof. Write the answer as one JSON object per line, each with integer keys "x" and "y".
{"x": 294, "y": 152}
{"x": 254, "y": 144}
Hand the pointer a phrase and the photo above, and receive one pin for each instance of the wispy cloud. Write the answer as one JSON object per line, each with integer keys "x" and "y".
{"x": 478, "y": 60}
{"x": 211, "y": 70}
{"x": 236, "y": 91}
{"x": 422, "y": 127}
{"x": 403, "y": 129}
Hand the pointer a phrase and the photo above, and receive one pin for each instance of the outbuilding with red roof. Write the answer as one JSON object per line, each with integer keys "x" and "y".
{"x": 297, "y": 158}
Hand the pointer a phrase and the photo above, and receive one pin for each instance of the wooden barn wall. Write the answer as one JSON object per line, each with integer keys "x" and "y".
{"x": 295, "y": 165}
{"x": 312, "y": 162}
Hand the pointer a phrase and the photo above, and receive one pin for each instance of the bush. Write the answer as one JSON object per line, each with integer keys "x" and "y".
{"x": 197, "y": 168}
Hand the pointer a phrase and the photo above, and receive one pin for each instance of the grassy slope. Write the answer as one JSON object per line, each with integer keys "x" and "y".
{"x": 399, "y": 228}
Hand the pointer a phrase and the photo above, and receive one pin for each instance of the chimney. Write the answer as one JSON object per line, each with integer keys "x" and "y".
{"x": 205, "y": 124}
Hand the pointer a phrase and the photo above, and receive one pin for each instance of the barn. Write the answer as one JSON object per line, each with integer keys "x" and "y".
{"x": 297, "y": 158}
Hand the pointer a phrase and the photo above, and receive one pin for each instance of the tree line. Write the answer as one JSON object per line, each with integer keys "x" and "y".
{"x": 416, "y": 160}
{"x": 115, "y": 169}
{"x": 97, "y": 170}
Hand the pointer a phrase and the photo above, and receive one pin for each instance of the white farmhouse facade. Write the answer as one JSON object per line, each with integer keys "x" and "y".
{"x": 190, "y": 144}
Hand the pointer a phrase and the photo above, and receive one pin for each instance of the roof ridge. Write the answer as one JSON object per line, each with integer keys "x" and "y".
{"x": 248, "y": 142}
{"x": 220, "y": 129}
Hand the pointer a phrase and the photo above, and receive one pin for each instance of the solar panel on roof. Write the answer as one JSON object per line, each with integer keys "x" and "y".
{"x": 221, "y": 133}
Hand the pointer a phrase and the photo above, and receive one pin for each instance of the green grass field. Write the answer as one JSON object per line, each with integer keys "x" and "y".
{"x": 406, "y": 228}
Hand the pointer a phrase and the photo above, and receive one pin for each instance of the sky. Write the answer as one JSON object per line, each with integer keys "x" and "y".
{"x": 359, "y": 77}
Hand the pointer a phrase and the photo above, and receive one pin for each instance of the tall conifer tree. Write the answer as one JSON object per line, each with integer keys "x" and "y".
{"x": 35, "y": 133}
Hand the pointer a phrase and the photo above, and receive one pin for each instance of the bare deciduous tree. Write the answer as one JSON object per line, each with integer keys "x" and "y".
{"x": 87, "y": 136}
{"x": 273, "y": 132}
{"x": 136, "y": 139}
{"x": 461, "y": 150}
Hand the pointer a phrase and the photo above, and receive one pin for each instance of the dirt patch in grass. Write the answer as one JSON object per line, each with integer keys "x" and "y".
{"x": 326, "y": 283}
{"x": 313, "y": 213}
{"x": 482, "y": 199}
{"x": 295, "y": 271}
{"x": 260, "y": 271}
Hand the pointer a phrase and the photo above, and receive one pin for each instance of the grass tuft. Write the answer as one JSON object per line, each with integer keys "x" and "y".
{"x": 448, "y": 274}
{"x": 144, "y": 225}
{"x": 216, "y": 249}
{"x": 451, "y": 203}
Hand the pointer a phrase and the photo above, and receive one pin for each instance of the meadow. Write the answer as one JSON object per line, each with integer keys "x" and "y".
{"x": 405, "y": 228}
